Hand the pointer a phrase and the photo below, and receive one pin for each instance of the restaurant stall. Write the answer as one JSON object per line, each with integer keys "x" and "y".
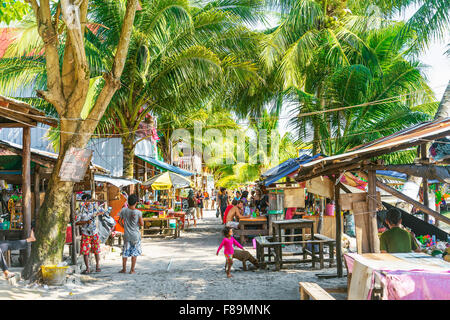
{"x": 363, "y": 161}
{"x": 162, "y": 220}
{"x": 17, "y": 114}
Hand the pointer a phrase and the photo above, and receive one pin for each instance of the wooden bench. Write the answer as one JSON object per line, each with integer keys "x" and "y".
{"x": 330, "y": 243}
{"x": 310, "y": 290}
{"x": 242, "y": 232}
{"x": 274, "y": 250}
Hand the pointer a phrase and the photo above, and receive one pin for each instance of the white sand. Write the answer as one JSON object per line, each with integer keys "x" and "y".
{"x": 195, "y": 272}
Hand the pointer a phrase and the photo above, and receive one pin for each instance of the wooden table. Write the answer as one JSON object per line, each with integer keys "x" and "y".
{"x": 242, "y": 232}
{"x": 397, "y": 276}
{"x": 164, "y": 225}
{"x": 179, "y": 214}
{"x": 292, "y": 224}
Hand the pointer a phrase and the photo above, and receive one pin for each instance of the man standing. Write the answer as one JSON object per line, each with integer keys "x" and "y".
{"x": 89, "y": 235}
{"x": 131, "y": 220}
{"x": 206, "y": 197}
{"x": 191, "y": 208}
{"x": 223, "y": 201}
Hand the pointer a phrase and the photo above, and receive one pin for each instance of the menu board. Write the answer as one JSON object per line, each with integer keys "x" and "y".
{"x": 75, "y": 164}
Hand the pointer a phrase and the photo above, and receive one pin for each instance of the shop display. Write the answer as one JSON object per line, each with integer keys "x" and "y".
{"x": 11, "y": 217}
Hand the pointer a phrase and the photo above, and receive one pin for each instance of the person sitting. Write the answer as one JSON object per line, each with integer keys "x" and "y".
{"x": 6, "y": 245}
{"x": 396, "y": 239}
{"x": 229, "y": 207}
{"x": 234, "y": 215}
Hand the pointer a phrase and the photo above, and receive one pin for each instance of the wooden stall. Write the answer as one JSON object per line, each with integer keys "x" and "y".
{"x": 17, "y": 114}
{"x": 362, "y": 160}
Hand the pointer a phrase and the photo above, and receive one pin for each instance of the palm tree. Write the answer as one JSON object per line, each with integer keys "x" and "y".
{"x": 184, "y": 61}
{"x": 332, "y": 55}
{"x": 180, "y": 56}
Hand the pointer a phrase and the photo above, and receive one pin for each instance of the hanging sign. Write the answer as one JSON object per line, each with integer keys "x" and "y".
{"x": 75, "y": 164}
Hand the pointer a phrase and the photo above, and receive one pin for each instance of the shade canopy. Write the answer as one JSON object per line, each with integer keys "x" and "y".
{"x": 165, "y": 166}
{"x": 118, "y": 182}
{"x": 168, "y": 180}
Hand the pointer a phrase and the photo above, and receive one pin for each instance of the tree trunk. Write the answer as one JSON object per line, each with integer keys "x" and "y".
{"x": 128, "y": 157}
{"x": 67, "y": 88}
{"x": 54, "y": 215}
{"x": 444, "y": 107}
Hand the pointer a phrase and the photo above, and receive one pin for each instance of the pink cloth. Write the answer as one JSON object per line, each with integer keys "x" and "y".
{"x": 290, "y": 213}
{"x": 228, "y": 243}
{"x": 416, "y": 285}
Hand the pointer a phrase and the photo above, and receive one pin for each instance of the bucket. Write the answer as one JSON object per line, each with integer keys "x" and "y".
{"x": 172, "y": 223}
{"x": 54, "y": 275}
{"x": 329, "y": 210}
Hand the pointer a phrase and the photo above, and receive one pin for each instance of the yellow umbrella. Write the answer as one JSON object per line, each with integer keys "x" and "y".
{"x": 168, "y": 180}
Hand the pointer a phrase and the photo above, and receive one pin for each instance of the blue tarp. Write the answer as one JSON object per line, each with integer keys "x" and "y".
{"x": 166, "y": 166}
{"x": 285, "y": 168}
{"x": 398, "y": 175}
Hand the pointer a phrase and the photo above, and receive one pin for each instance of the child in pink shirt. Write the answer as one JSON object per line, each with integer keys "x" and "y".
{"x": 228, "y": 243}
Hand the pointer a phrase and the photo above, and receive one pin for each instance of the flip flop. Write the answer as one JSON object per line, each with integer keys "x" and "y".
{"x": 85, "y": 272}
{"x": 98, "y": 270}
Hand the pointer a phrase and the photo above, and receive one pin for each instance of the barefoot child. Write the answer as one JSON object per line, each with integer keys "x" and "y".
{"x": 131, "y": 219}
{"x": 13, "y": 245}
{"x": 228, "y": 243}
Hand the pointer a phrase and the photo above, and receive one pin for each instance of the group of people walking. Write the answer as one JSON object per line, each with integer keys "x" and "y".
{"x": 197, "y": 201}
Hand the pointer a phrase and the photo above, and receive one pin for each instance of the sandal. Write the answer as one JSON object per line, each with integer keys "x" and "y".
{"x": 98, "y": 270}
{"x": 85, "y": 272}
{"x": 10, "y": 275}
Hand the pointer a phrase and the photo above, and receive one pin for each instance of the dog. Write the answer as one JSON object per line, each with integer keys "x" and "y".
{"x": 245, "y": 256}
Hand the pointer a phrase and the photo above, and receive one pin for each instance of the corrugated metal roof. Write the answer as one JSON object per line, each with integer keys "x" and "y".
{"x": 49, "y": 155}
{"x": 18, "y": 111}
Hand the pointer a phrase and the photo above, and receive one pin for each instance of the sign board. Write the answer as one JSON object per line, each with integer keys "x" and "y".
{"x": 294, "y": 198}
{"x": 321, "y": 186}
{"x": 75, "y": 164}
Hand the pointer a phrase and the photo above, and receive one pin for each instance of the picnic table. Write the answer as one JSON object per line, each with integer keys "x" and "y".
{"x": 291, "y": 224}
{"x": 244, "y": 223}
{"x": 268, "y": 247}
{"x": 160, "y": 225}
{"x": 397, "y": 276}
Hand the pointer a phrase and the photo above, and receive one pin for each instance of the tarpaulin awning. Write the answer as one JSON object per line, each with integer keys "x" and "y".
{"x": 118, "y": 182}
{"x": 165, "y": 166}
{"x": 285, "y": 168}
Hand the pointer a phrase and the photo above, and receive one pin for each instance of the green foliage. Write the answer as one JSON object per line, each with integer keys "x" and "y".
{"x": 13, "y": 10}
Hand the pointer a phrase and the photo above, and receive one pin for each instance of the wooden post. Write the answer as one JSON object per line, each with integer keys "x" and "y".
{"x": 372, "y": 207}
{"x": 145, "y": 171}
{"x": 426, "y": 202}
{"x": 337, "y": 215}
{"x": 438, "y": 210}
{"x": 26, "y": 186}
{"x": 37, "y": 194}
{"x": 74, "y": 234}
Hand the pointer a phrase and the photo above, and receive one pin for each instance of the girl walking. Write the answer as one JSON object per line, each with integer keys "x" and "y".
{"x": 228, "y": 243}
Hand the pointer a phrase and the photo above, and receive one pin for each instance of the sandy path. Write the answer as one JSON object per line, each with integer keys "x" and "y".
{"x": 195, "y": 273}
